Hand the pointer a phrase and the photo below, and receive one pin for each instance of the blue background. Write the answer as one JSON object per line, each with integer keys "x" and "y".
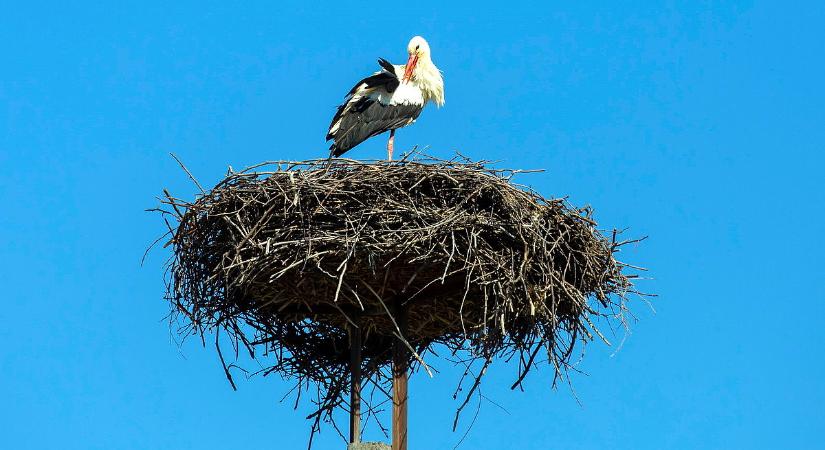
{"x": 699, "y": 123}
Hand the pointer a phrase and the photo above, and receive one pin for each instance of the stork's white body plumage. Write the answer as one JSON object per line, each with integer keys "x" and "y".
{"x": 387, "y": 100}
{"x": 405, "y": 94}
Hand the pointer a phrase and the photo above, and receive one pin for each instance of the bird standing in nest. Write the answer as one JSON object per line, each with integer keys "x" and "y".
{"x": 387, "y": 100}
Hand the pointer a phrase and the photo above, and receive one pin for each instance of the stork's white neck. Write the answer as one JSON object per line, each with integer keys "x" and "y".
{"x": 428, "y": 78}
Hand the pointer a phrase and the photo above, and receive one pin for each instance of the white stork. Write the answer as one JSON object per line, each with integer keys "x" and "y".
{"x": 387, "y": 100}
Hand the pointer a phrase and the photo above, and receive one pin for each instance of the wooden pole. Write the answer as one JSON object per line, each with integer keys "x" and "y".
{"x": 399, "y": 387}
{"x": 355, "y": 384}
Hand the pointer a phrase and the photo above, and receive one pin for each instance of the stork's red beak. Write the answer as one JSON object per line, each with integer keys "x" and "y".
{"x": 408, "y": 69}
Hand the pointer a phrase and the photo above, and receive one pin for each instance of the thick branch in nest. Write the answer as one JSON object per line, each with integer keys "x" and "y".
{"x": 283, "y": 257}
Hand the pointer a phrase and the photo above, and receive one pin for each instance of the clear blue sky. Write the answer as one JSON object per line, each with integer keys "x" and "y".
{"x": 699, "y": 123}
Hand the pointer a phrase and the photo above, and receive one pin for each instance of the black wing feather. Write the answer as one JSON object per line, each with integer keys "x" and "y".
{"x": 387, "y": 80}
{"x": 387, "y": 66}
{"x": 367, "y": 118}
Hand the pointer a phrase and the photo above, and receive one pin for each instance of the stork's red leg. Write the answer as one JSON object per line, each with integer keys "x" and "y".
{"x": 390, "y": 145}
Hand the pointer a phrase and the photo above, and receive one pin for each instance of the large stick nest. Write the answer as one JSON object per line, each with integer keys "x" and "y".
{"x": 286, "y": 257}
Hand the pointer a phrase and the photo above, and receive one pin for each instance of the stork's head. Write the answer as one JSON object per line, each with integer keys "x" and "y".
{"x": 418, "y": 46}
{"x": 417, "y": 49}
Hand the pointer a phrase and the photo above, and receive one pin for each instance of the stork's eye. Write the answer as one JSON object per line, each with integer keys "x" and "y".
{"x": 416, "y": 47}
